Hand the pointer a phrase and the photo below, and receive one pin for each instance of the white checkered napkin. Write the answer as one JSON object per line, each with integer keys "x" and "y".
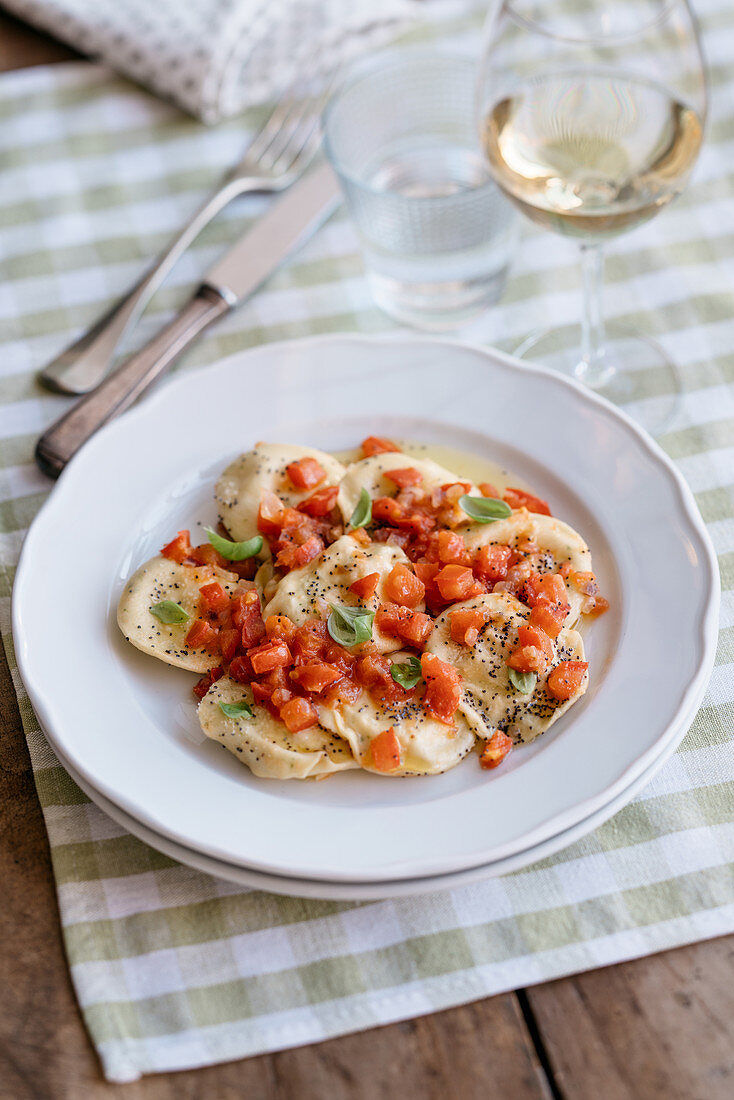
{"x": 217, "y": 57}
{"x": 173, "y": 968}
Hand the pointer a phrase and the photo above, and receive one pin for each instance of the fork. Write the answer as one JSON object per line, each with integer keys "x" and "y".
{"x": 276, "y": 158}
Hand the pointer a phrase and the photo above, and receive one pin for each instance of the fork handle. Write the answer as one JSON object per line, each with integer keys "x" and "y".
{"x": 62, "y": 440}
{"x": 84, "y": 363}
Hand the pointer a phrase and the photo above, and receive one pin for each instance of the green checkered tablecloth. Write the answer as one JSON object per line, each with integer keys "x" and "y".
{"x": 175, "y": 969}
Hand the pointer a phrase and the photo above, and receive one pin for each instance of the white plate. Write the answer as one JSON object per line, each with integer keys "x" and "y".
{"x": 121, "y": 719}
{"x": 367, "y": 891}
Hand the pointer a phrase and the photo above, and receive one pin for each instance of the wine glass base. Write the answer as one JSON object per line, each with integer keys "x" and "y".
{"x": 634, "y": 372}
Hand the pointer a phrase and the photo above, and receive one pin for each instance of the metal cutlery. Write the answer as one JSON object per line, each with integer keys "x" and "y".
{"x": 275, "y": 159}
{"x": 241, "y": 270}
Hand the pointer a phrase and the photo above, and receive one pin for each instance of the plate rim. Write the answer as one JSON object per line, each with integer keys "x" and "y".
{"x": 690, "y": 699}
{"x": 371, "y": 891}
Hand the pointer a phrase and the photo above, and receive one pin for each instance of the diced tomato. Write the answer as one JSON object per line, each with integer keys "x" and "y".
{"x": 492, "y": 562}
{"x": 403, "y": 587}
{"x": 310, "y": 641}
{"x": 465, "y": 625}
{"x": 386, "y": 751}
{"x": 240, "y": 670}
{"x": 270, "y": 682}
{"x": 546, "y": 619}
{"x": 549, "y": 590}
{"x": 566, "y": 679}
{"x": 229, "y": 639}
{"x": 418, "y": 523}
{"x": 178, "y": 549}
{"x": 373, "y": 670}
{"x": 207, "y": 555}
{"x": 293, "y": 557}
{"x": 315, "y": 677}
{"x": 321, "y": 502}
{"x": 404, "y": 478}
{"x": 306, "y": 473}
{"x": 203, "y": 635}
{"x": 365, "y": 587}
{"x": 528, "y": 658}
{"x": 271, "y": 514}
{"x": 585, "y": 583}
{"x": 376, "y": 445}
{"x": 262, "y": 694}
{"x": 532, "y": 635}
{"x": 495, "y": 750}
{"x": 453, "y": 490}
{"x": 412, "y": 627}
{"x": 361, "y": 536}
{"x": 518, "y": 498}
{"x": 454, "y": 582}
{"x": 426, "y": 571}
{"x": 443, "y": 688}
{"x": 243, "y": 603}
{"x": 279, "y": 628}
{"x": 280, "y": 697}
{"x": 253, "y": 628}
{"x": 341, "y": 692}
{"x": 202, "y": 686}
{"x": 452, "y": 548}
{"x": 247, "y": 618}
{"x": 270, "y": 655}
{"x": 487, "y": 489}
{"x": 298, "y": 714}
{"x": 340, "y": 658}
{"x": 600, "y": 606}
{"x": 387, "y": 510}
{"x": 212, "y": 597}
{"x": 245, "y": 569}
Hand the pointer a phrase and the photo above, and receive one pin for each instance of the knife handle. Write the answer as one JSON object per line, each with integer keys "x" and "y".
{"x": 62, "y": 440}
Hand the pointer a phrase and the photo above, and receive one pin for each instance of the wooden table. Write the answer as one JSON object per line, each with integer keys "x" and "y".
{"x": 660, "y": 1027}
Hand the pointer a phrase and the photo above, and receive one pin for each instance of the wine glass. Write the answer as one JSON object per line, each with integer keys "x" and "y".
{"x": 592, "y": 115}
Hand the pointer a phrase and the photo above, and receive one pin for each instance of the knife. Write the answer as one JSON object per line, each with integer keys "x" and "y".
{"x": 255, "y": 256}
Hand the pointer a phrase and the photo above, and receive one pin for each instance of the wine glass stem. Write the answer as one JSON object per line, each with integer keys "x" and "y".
{"x": 592, "y": 368}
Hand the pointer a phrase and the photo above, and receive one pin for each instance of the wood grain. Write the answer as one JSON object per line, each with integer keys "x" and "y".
{"x": 22, "y": 46}
{"x": 658, "y": 1028}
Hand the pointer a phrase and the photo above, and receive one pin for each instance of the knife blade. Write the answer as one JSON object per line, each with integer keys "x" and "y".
{"x": 232, "y": 279}
{"x": 286, "y": 225}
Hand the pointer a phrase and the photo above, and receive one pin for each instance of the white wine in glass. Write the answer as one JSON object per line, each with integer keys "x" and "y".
{"x": 592, "y": 119}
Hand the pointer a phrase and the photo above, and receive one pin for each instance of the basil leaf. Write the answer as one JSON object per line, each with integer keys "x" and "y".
{"x": 349, "y": 626}
{"x": 484, "y": 509}
{"x": 237, "y": 710}
{"x": 169, "y": 612}
{"x": 362, "y": 514}
{"x": 235, "y": 551}
{"x": 524, "y": 682}
{"x": 408, "y": 673}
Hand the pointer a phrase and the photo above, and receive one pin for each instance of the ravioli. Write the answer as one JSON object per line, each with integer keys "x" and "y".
{"x": 301, "y": 593}
{"x": 264, "y": 744}
{"x": 489, "y": 700}
{"x": 369, "y": 474}
{"x": 558, "y": 544}
{"x": 427, "y": 746}
{"x": 162, "y": 579}
{"x": 240, "y": 488}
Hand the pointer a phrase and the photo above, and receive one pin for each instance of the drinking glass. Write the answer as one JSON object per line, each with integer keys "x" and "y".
{"x": 592, "y": 115}
{"x": 437, "y": 233}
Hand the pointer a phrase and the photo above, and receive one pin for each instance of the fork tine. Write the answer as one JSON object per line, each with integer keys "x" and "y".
{"x": 287, "y": 132}
{"x": 276, "y": 119}
{"x": 302, "y": 130}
